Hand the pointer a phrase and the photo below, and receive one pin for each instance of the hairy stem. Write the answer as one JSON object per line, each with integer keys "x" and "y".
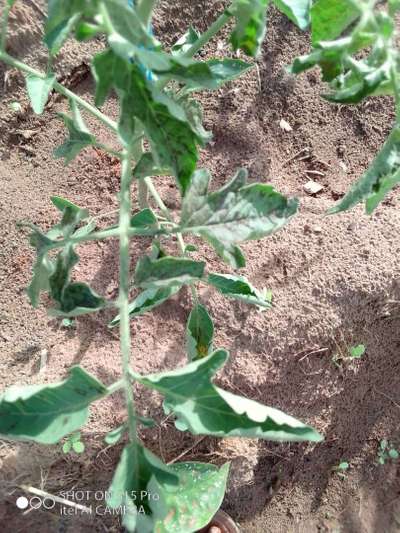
{"x": 123, "y": 299}
{"x": 15, "y": 63}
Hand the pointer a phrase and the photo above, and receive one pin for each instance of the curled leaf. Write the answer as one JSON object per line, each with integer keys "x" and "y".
{"x": 147, "y": 300}
{"x": 239, "y": 288}
{"x": 199, "y": 333}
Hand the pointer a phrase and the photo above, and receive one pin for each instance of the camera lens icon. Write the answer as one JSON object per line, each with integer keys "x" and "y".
{"x": 35, "y": 503}
{"x": 22, "y": 502}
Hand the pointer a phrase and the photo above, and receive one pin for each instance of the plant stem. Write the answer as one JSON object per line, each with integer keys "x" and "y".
{"x": 395, "y": 77}
{"x": 4, "y": 26}
{"x": 201, "y": 41}
{"x": 123, "y": 299}
{"x": 15, "y": 63}
{"x": 118, "y": 385}
{"x": 153, "y": 191}
{"x": 166, "y": 212}
{"x": 100, "y": 236}
{"x": 107, "y": 149}
{"x": 209, "y": 34}
{"x": 143, "y": 191}
{"x": 143, "y": 195}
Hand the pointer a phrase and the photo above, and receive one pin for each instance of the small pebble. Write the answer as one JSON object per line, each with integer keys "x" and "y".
{"x": 312, "y": 187}
{"x": 285, "y": 125}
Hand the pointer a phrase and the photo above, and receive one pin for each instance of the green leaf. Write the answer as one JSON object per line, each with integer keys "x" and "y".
{"x": 115, "y": 435}
{"x": 330, "y": 18}
{"x": 63, "y": 204}
{"x": 394, "y": 6}
{"x": 239, "y": 288}
{"x": 298, "y": 11}
{"x": 125, "y": 29}
{"x": 201, "y": 489}
{"x": 47, "y": 413}
{"x": 78, "y": 299}
{"x": 224, "y": 70}
{"x": 183, "y": 44}
{"x": 139, "y": 474}
{"x": 147, "y": 167}
{"x": 42, "y": 271}
{"x": 145, "y": 218}
{"x": 362, "y": 80}
{"x": 173, "y": 141}
{"x": 67, "y": 446}
{"x": 79, "y": 136}
{"x": 62, "y": 16}
{"x": 393, "y": 454}
{"x": 39, "y": 90}
{"x": 147, "y": 300}
{"x": 235, "y": 213}
{"x": 103, "y": 74}
{"x": 378, "y": 180}
{"x": 190, "y": 248}
{"x": 250, "y": 28}
{"x": 85, "y": 31}
{"x": 206, "y": 409}
{"x": 73, "y": 298}
{"x": 194, "y": 116}
{"x": 331, "y": 55}
{"x": 199, "y": 333}
{"x": 55, "y": 38}
{"x": 356, "y": 352}
{"x": 210, "y": 75}
{"x": 172, "y": 130}
{"x": 167, "y": 272}
{"x": 44, "y": 267}
{"x": 78, "y": 447}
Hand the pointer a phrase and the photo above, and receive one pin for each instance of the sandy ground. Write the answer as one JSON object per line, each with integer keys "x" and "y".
{"x": 334, "y": 282}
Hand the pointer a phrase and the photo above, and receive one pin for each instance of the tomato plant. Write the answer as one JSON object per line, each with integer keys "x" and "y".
{"x": 354, "y": 44}
{"x": 155, "y": 89}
